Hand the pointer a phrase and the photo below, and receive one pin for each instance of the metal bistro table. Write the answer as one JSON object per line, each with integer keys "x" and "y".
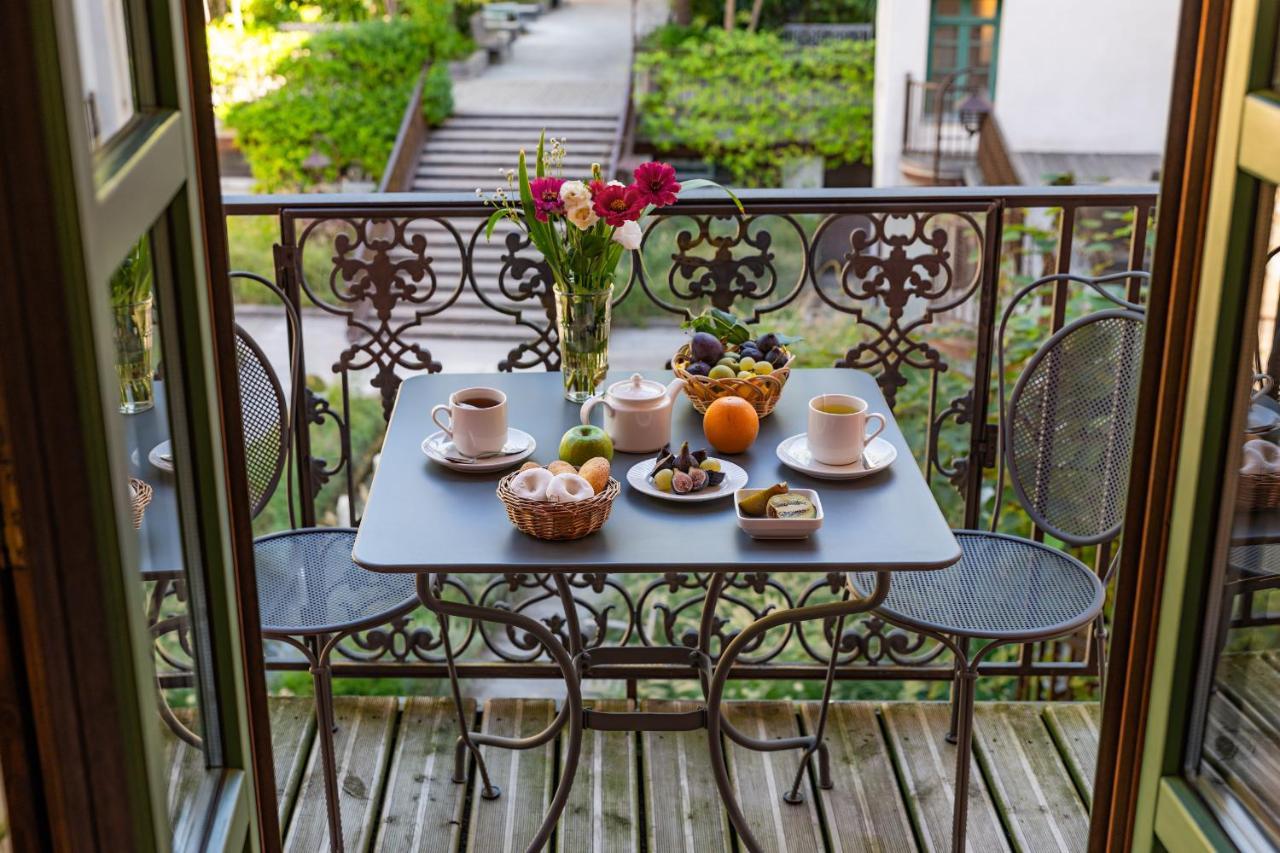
{"x": 885, "y": 523}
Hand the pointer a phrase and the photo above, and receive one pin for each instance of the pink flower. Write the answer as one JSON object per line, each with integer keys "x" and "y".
{"x": 657, "y": 183}
{"x": 546, "y": 197}
{"x": 615, "y": 203}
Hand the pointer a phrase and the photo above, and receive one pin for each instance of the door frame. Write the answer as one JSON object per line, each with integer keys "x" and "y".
{"x": 84, "y": 737}
{"x": 1191, "y": 372}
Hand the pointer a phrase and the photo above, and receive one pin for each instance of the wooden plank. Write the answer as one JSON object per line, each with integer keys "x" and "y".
{"x": 422, "y": 805}
{"x": 362, "y": 744}
{"x": 682, "y": 803}
{"x": 1255, "y": 684}
{"x": 1074, "y": 727}
{"x": 926, "y": 766}
{"x": 603, "y": 812}
{"x": 1029, "y": 781}
{"x": 293, "y": 730}
{"x": 864, "y": 809}
{"x": 508, "y": 824}
{"x": 761, "y": 778}
{"x": 184, "y": 765}
{"x": 1245, "y": 756}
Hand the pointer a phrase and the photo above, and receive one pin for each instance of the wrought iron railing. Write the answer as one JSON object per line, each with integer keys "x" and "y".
{"x": 935, "y": 129}
{"x": 903, "y": 283}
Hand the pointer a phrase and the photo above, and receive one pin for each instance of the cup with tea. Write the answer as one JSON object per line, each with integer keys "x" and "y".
{"x": 477, "y": 420}
{"x": 838, "y": 428}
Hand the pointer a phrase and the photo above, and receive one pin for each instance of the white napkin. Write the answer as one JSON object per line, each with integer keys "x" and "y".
{"x": 1260, "y": 457}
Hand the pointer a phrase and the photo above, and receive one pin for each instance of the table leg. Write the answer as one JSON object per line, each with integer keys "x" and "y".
{"x": 849, "y": 605}
{"x": 571, "y": 712}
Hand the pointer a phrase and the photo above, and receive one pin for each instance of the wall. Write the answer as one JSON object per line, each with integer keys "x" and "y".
{"x": 1112, "y": 98}
{"x": 902, "y": 45}
{"x": 1085, "y": 76}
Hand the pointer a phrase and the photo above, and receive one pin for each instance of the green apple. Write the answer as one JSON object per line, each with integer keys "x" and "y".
{"x": 585, "y": 442}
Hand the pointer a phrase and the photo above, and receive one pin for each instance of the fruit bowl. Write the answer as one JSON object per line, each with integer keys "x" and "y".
{"x": 557, "y": 521}
{"x": 762, "y": 391}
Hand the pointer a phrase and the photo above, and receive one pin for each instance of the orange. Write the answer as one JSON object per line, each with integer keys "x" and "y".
{"x": 730, "y": 424}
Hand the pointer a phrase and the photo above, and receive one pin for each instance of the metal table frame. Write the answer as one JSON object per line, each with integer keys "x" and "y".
{"x": 575, "y": 662}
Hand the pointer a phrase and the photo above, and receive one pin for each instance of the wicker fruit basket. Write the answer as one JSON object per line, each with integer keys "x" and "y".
{"x": 1258, "y": 491}
{"x": 555, "y": 521}
{"x": 139, "y": 495}
{"x": 762, "y": 392}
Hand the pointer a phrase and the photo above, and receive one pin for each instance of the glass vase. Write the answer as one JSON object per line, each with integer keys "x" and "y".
{"x": 582, "y": 322}
{"x": 133, "y": 336}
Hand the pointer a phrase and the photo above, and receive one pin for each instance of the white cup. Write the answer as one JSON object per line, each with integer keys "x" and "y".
{"x": 477, "y": 420}
{"x": 839, "y": 438}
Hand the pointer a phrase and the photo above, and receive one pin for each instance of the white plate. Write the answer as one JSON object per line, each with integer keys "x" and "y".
{"x": 794, "y": 453}
{"x": 734, "y": 478}
{"x": 158, "y": 454}
{"x": 779, "y": 528}
{"x": 439, "y": 447}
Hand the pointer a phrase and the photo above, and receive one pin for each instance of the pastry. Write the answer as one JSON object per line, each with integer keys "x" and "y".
{"x": 561, "y": 467}
{"x": 596, "y": 472}
{"x": 568, "y": 488}
{"x": 532, "y": 484}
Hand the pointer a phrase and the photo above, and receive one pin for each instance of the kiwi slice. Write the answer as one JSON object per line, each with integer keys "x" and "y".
{"x": 790, "y": 506}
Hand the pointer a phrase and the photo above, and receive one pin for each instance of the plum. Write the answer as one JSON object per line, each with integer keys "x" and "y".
{"x": 767, "y": 342}
{"x": 699, "y": 368}
{"x": 706, "y": 347}
{"x": 776, "y": 357}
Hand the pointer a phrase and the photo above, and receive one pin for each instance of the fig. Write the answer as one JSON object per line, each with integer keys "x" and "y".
{"x": 681, "y": 483}
{"x": 706, "y": 347}
{"x": 699, "y": 478}
{"x": 767, "y": 342}
{"x": 700, "y": 456}
{"x": 685, "y": 460}
{"x": 776, "y": 357}
{"x": 715, "y": 478}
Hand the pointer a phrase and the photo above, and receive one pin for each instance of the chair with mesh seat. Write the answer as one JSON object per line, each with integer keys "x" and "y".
{"x": 1066, "y": 434}
{"x": 310, "y": 594}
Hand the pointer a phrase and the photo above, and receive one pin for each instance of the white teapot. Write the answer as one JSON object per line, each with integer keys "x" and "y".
{"x": 637, "y": 413}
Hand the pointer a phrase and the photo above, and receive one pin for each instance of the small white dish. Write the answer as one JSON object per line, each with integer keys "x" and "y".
{"x": 734, "y": 478}
{"x": 440, "y": 449}
{"x": 794, "y": 453}
{"x": 778, "y": 528}
{"x": 161, "y": 456}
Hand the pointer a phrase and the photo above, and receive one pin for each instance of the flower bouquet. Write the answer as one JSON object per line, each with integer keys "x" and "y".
{"x": 582, "y": 227}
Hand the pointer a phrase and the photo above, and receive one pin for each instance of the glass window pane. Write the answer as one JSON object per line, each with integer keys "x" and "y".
{"x": 984, "y": 8}
{"x": 159, "y": 563}
{"x": 981, "y": 40}
{"x": 947, "y": 7}
{"x": 944, "y": 55}
{"x": 106, "y": 68}
{"x": 1237, "y": 767}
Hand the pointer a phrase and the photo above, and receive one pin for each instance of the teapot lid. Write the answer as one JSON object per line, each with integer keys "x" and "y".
{"x": 637, "y": 389}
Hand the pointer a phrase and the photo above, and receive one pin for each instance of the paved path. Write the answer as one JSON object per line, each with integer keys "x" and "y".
{"x": 573, "y": 60}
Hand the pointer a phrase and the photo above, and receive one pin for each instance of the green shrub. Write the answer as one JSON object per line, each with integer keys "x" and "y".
{"x": 775, "y": 13}
{"x": 750, "y": 101}
{"x": 437, "y": 95}
{"x": 273, "y": 12}
{"x": 242, "y": 62}
{"x": 342, "y": 99}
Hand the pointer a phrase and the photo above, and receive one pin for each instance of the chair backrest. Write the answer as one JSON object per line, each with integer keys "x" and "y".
{"x": 1067, "y": 428}
{"x": 266, "y": 421}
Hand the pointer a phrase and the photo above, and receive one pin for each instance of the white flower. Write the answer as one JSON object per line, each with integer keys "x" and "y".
{"x": 583, "y": 216}
{"x": 574, "y": 194}
{"x": 628, "y": 234}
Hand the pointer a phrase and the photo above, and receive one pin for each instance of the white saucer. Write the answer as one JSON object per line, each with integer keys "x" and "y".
{"x": 158, "y": 453}
{"x": 734, "y": 478}
{"x": 439, "y": 447}
{"x": 794, "y": 453}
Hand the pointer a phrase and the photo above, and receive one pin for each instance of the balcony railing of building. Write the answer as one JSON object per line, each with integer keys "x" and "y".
{"x": 905, "y": 284}
{"x": 939, "y": 128}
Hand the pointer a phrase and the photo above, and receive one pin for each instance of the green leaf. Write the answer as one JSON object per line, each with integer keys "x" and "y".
{"x": 542, "y": 162}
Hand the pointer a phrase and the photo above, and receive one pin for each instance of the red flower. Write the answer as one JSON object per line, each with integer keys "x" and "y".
{"x": 546, "y": 197}
{"x": 616, "y": 204}
{"x": 657, "y": 183}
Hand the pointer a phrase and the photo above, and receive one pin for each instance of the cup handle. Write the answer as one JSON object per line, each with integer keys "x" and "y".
{"x": 879, "y": 417}
{"x": 446, "y": 428}
{"x": 585, "y": 412}
{"x": 1264, "y": 382}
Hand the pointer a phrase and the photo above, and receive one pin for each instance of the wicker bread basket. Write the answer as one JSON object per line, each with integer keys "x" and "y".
{"x": 140, "y": 494}
{"x": 545, "y": 520}
{"x": 1258, "y": 491}
{"x": 762, "y": 392}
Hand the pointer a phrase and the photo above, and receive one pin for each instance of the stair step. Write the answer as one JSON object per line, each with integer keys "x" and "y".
{"x": 540, "y": 118}
{"x": 501, "y": 134}
{"x": 504, "y": 148}
{"x": 458, "y": 154}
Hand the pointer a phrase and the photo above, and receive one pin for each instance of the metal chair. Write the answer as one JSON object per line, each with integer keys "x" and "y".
{"x": 1066, "y": 437}
{"x": 310, "y": 594}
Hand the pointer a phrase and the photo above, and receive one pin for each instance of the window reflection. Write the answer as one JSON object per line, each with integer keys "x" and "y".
{"x": 106, "y": 72}
{"x": 1238, "y": 767}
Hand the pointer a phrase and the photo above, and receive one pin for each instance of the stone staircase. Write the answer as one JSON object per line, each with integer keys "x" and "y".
{"x": 475, "y": 150}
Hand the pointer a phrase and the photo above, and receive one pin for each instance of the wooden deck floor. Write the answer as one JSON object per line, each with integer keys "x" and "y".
{"x": 654, "y": 791}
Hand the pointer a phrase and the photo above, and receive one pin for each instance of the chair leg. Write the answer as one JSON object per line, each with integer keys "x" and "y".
{"x": 964, "y": 760}
{"x": 322, "y": 678}
{"x": 955, "y": 691}
{"x": 1100, "y": 649}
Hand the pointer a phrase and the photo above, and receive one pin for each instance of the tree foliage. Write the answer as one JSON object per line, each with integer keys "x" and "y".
{"x": 751, "y": 101}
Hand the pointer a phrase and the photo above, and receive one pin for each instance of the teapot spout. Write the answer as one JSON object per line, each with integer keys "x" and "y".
{"x": 674, "y": 388}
